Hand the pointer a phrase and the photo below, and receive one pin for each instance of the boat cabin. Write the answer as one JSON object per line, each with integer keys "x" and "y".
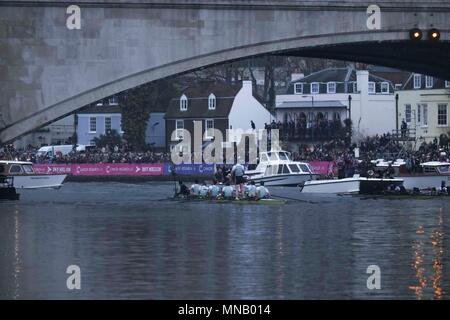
{"x": 16, "y": 168}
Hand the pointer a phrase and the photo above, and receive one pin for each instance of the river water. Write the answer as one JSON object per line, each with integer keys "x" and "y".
{"x": 130, "y": 242}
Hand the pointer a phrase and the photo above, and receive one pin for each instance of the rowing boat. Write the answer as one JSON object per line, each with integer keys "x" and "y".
{"x": 227, "y": 201}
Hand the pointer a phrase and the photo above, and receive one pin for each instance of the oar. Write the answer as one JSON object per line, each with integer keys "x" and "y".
{"x": 293, "y": 199}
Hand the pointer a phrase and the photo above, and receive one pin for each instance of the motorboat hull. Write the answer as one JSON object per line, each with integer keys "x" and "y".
{"x": 286, "y": 180}
{"x": 354, "y": 185}
{"x": 425, "y": 182}
{"x": 38, "y": 181}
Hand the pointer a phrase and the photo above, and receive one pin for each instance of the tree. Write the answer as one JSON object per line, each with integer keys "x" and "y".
{"x": 110, "y": 140}
{"x": 137, "y": 104}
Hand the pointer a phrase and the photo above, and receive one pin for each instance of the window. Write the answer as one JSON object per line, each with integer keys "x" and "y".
{"x": 429, "y": 82}
{"x": 28, "y": 168}
{"x": 447, "y": 84}
{"x": 304, "y": 168}
{"x": 331, "y": 87}
{"x": 107, "y": 124}
{"x": 298, "y": 88}
{"x": 179, "y": 126}
{"x": 372, "y": 87}
{"x": 15, "y": 169}
{"x": 315, "y": 87}
{"x": 209, "y": 128}
{"x": 442, "y": 115}
{"x": 92, "y": 124}
{"x": 294, "y": 168}
{"x": 385, "y": 87}
{"x": 112, "y": 101}
{"x": 408, "y": 113}
{"x": 212, "y": 102}
{"x": 417, "y": 81}
{"x": 424, "y": 115}
{"x": 286, "y": 169}
{"x": 183, "y": 103}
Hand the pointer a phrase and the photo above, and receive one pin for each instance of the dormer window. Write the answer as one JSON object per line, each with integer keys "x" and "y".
{"x": 417, "y": 81}
{"x": 385, "y": 87}
{"x": 212, "y": 102}
{"x": 429, "y": 82}
{"x": 315, "y": 88}
{"x": 298, "y": 88}
{"x": 183, "y": 103}
{"x": 331, "y": 87}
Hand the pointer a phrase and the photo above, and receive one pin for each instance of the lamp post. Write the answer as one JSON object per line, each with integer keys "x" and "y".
{"x": 350, "y": 117}
{"x": 396, "y": 113}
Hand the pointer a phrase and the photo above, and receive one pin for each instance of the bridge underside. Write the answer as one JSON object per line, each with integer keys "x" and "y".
{"x": 421, "y": 57}
{"x": 48, "y": 70}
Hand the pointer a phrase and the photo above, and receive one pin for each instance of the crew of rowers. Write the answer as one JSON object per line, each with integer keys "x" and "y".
{"x": 224, "y": 191}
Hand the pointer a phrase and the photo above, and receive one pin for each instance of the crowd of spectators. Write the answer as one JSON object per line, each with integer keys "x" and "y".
{"x": 91, "y": 155}
{"x": 337, "y": 150}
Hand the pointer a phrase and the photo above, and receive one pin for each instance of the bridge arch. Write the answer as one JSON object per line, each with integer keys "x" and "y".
{"x": 384, "y": 47}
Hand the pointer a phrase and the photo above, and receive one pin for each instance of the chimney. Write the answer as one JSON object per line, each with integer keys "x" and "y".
{"x": 362, "y": 81}
{"x": 297, "y": 76}
{"x": 247, "y": 87}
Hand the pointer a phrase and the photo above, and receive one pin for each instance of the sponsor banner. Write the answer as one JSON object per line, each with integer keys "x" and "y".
{"x": 102, "y": 169}
{"x": 322, "y": 167}
{"x": 52, "y": 168}
{"x": 190, "y": 169}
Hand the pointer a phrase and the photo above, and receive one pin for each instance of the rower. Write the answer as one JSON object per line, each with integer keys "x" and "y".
{"x": 251, "y": 190}
{"x": 203, "y": 192}
{"x": 228, "y": 191}
{"x": 182, "y": 189}
{"x": 195, "y": 188}
{"x": 237, "y": 172}
{"x": 214, "y": 189}
{"x": 262, "y": 192}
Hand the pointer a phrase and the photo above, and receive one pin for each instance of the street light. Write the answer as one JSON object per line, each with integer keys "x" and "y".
{"x": 415, "y": 34}
{"x": 434, "y": 35}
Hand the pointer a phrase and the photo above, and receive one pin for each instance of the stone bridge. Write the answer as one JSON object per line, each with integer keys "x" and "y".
{"x": 55, "y": 58}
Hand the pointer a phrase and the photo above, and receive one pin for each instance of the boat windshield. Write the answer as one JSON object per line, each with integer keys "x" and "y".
{"x": 15, "y": 168}
{"x": 28, "y": 168}
{"x": 283, "y": 156}
{"x": 304, "y": 168}
{"x": 444, "y": 169}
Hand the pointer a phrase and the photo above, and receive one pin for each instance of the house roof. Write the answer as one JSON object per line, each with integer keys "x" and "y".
{"x": 409, "y": 84}
{"x": 311, "y": 104}
{"x": 339, "y": 75}
{"x": 100, "y": 109}
{"x": 198, "y": 95}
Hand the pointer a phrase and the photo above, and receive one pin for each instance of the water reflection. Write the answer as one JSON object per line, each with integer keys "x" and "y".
{"x": 129, "y": 246}
{"x": 420, "y": 249}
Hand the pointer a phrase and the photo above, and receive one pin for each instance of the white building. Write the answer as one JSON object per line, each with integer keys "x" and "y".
{"x": 423, "y": 105}
{"x": 323, "y": 99}
{"x": 215, "y": 105}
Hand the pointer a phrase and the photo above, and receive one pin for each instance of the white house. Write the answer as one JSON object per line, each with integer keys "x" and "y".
{"x": 215, "y": 105}
{"x": 315, "y": 105}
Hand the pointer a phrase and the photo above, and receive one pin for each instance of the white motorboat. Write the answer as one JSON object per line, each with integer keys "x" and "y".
{"x": 353, "y": 185}
{"x": 275, "y": 168}
{"x": 24, "y": 177}
{"x": 431, "y": 175}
